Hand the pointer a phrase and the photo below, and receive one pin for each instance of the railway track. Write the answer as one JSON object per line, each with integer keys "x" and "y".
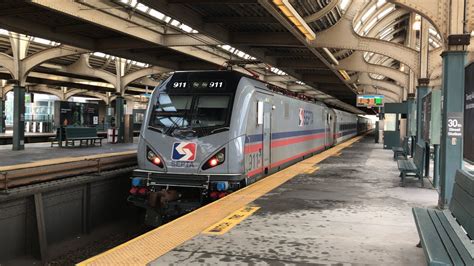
{"x": 41, "y": 171}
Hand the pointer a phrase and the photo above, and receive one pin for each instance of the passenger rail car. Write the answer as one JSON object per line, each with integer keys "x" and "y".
{"x": 208, "y": 133}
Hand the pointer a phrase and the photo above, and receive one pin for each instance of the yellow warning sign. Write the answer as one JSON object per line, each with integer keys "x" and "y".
{"x": 230, "y": 221}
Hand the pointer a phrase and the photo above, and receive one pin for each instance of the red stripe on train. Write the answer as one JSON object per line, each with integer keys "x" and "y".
{"x": 279, "y": 143}
{"x": 252, "y": 148}
{"x": 276, "y": 164}
{"x": 285, "y": 142}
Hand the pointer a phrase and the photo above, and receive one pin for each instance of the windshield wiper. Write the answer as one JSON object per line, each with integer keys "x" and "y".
{"x": 155, "y": 129}
{"x": 182, "y": 131}
{"x": 181, "y": 119}
{"x": 219, "y": 129}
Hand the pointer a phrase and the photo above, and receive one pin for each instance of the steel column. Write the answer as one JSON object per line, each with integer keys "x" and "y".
{"x": 427, "y": 159}
{"x": 86, "y": 204}
{"x": 411, "y": 122}
{"x": 119, "y": 118}
{"x": 108, "y": 117}
{"x": 41, "y": 226}
{"x": 18, "y": 118}
{"x": 453, "y": 108}
{"x": 436, "y": 166}
{"x": 2, "y": 115}
{"x": 421, "y": 91}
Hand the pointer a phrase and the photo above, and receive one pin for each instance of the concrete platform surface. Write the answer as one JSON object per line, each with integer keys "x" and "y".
{"x": 351, "y": 210}
{"x": 43, "y": 151}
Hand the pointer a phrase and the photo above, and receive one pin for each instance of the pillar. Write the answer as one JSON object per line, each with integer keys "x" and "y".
{"x": 18, "y": 118}
{"x": 452, "y": 116}
{"x": 119, "y": 118}
{"x": 2, "y": 115}
{"x": 421, "y": 92}
{"x": 411, "y": 122}
{"x": 108, "y": 116}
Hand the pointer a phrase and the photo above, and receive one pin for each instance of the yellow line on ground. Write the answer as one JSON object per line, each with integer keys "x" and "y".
{"x": 230, "y": 221}
{"x": 157, "y": 242}
{"x": 64, "y": 160}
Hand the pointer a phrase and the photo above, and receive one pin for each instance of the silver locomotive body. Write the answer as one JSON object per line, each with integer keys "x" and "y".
{"x": 216, "y": 131}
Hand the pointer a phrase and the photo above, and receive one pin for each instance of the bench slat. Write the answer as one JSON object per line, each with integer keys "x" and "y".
{"x": 465, "y": 181}
{"x": 464, "y": 198}
{"x": 462, "y": 216}
{"x": 445, "y": 238}
{"x": 406, "y": 165}
{"x": 458, "y": 243}
{"x": 430, "y": 240}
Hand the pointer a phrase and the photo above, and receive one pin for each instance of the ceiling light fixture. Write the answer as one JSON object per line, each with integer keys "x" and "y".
{"x": 293, "y": 16}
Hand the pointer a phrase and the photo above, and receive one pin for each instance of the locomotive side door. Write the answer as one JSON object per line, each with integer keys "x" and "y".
{"x": 330, "y": 127}
{"x": 326, "y": 128}
{"x": 267, "y": 132}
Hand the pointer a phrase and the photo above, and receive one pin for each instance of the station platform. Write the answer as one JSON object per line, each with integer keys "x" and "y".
{"x": 35, "y": 152}
{"x": 40, "y": 162}
{"x": 6, "y": 138}
{"x": 344, "y": 205}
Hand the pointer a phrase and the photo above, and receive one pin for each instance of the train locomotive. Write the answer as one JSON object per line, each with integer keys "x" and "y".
{"x": 209, "y": 133}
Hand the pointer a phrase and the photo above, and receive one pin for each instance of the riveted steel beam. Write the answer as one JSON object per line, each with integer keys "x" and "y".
{"x": 368, "y": 89}
{"x": 42, "y": 88}
{"x": 120, "y": 21}
{"x": 356, "y": 62}
{"x": 130, "y": 77}
{"x": 265, "y": 39}
{"x": 6, "y": 62}
{"x": 388, "y": 20}
{"x": 239, "y": 20}
{"x": 437, "y": 12}
{"x": 82, "y": 67}
{"x": 321, "y": 13}
{"x": 365, "y": 79}
{"x": 38, "y": 58}
{"x": 343, "y": 36}
{"x": 301, "y": 64}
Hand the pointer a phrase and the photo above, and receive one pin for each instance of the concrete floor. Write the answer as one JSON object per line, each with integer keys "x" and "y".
{"x": 43, "y": 151}
{"x": 352, "y": 210}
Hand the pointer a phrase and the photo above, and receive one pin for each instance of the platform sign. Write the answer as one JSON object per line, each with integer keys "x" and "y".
{"x": 469, "y": 114}
{"x": 370, "y": 101}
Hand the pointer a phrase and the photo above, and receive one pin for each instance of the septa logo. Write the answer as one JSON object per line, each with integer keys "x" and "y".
{"x": 184, "y": 151}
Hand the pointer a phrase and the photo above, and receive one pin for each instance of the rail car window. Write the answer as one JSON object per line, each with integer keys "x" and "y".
{"x": 343, "y": 127}
{"x": 171, "y": 111}
{"x": 211, "y": 111}
{"x": 191, "y": 114}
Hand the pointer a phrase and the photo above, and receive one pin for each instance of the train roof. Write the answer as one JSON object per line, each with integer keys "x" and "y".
{"x": 234, "y": 74}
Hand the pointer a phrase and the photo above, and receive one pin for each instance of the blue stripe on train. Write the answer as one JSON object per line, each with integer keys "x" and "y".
{"x": 282, "y": 135}
{"x": 348, "y": 132}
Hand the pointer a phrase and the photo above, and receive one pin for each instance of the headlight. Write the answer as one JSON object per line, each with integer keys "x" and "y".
{"x": 153, "y": 158}
{"x": 215, "y": 160}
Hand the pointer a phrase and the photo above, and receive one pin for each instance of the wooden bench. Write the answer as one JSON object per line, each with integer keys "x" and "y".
{"x": 413, "y": 167}
{"x": 401, "y": 151}
{"x": 446, "y": 235}
{"x": 85, "y": 135}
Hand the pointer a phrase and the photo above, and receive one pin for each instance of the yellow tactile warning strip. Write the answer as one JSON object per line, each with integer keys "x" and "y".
{"x": 64, "y": 160}
{"x": 157, "y": 242}
{"x": 311, "y": 170}
{"x": 230, "y": 221}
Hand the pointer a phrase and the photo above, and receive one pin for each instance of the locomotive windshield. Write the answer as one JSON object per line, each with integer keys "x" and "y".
{"x": 195, "y": 114}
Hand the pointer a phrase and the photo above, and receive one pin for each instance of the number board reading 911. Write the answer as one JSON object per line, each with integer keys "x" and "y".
{"x": 211, "y": 84}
